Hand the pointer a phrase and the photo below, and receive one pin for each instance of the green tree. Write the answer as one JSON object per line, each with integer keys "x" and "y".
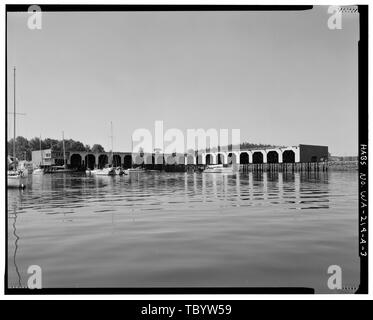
{"x": 98, "y": 148}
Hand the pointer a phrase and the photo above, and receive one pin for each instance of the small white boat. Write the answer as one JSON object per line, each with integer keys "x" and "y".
{"x": 38, "y": 171}
{"x": 15, "y": 180}
{"x": 119, "y": 171}
{"x": 104, "y": 172}
{"x": 138, "y": 169}
{"x": 57, "y": 169}
{"x": 218, "y": 168}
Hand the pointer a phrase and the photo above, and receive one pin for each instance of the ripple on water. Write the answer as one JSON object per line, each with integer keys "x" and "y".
{"x": 159, "y": 229}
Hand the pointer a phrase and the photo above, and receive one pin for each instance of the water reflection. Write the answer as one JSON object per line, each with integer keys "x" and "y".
{"x": 148, "y": 228}
{"x": 63, "y": 194}
{"x": 16, "y": 237}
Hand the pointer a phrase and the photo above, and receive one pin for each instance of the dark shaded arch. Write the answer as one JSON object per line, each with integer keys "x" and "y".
{"x": 127, "y": 161}
{"x": 220, "y": 158}
{"x": 208, "y": 159}
{"x": 76, "y": 160}
{"x": 244, "y": 158}
{"x": 257, "y": 157}
{"x": 90, "y": 161}
{"x": 102, "y": 160}
{"x": 117, "y": 161}
{"x": 272, "y": 157}
{"x": 288, "y": 156}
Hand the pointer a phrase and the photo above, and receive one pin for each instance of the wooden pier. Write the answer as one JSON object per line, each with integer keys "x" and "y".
{"x": 259, "y": 167}
{"x": 285, "y": 167}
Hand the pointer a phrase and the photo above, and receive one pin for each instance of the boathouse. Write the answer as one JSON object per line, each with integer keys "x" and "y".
{"x": 81, "y": 159}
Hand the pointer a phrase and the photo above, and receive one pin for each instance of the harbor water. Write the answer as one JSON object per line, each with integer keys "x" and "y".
{"x": 157, "y": 229}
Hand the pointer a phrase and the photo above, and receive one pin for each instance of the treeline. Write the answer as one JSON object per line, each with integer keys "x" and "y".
{"x": 24, "y": 147}
{"x": 245, "y": 146}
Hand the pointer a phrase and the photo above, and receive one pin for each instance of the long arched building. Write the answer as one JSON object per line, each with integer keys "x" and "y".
{"x": 295, "y": 154}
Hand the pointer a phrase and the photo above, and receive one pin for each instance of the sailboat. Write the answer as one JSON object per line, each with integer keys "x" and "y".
{"x": 108, "y": 170}
{"x": 14, "y": 176}
{"x": 134, "y": 169}
{"x": 63, "y": 168}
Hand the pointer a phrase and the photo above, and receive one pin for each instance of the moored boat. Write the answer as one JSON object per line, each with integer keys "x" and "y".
{"x": 15, "y": 179}
{"x": 38, "y": 171}
{"x": 218, "y": 168}
{"x": 120, "y": 171}
{"x": 138, "y": 169}
{"x": 109, "y": 171}
{"x": 58, "y": 169}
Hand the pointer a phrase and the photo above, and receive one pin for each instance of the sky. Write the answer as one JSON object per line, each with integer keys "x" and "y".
{"x": 282, "y": 78}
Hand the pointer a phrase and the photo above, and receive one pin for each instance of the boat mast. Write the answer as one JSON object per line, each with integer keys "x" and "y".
{"x": 41, "y": 153}
{"x": 14, "y": 116}
{"x": 132, "y": 152}
{"x": 63, "y": 147}
{"x": 111, "y": 131}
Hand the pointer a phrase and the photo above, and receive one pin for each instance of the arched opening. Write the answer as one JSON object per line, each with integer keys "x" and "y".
{"x": 138, "y": 160}
{"x": 181, "y": 160}
{"x": 272, "y": 157}
{"x": 90, "y": 161}
{"x": 159, "y": 159}
{"x": 257, "y": 157}
{"x": 209, "y": 159}
{"x": 199, "y": 159}
{"x": 288, "y": 156}
{"x": 149, "y": 160}
{"x": 127, "y": 161}
{"x": 190, "y": 159}
{"x": 232, "y": 158}
{"x": 244, "y": 158}
{"x": 170, "y": 160}
{"x": 117, "y": 161}
{"x": 102, "y": 160}
{"x": 221, "y": 158}
{"x": 76, "y": 160}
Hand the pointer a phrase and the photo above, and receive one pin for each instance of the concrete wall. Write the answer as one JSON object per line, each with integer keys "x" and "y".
{"x": 311, "y": 153}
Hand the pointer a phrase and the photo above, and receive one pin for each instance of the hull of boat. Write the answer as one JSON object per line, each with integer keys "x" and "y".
{"x": 135, "y": 170}
{"x": 121, "y": 172}
{"x": 38, "y": 172}
{"x": 15, "y": 181}
{"x": 103, "y": 172}
{"x": 219, "y": 169}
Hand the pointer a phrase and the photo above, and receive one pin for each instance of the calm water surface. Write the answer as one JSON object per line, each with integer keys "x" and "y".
{"x": 178, "y": 230}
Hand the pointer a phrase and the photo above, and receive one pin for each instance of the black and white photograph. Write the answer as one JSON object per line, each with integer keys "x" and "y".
{"x": 186, "y": 149}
